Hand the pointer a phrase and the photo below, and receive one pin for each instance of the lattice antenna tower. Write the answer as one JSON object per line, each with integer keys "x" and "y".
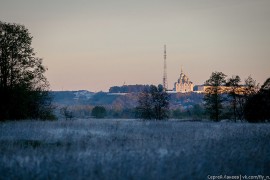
{"x": 165, "y": 83}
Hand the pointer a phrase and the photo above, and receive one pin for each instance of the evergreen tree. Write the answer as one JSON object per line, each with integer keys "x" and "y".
{"x": 23, "y": 86}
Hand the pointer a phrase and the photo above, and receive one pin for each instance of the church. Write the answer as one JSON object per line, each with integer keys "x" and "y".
{"x": 183, "y": 84}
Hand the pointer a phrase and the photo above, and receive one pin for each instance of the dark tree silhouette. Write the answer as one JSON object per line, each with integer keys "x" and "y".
{"x": 234, "y": 95}
{"x": 23, "y": 86}
{"x": 153, "y": 103}
{"x": 99, "y": 112}
{"x": 144, "y": 109}
{"x": 249, "y": 89}
{"x": 258, "y": 106}
{"x": 213, "y": 95}
{"x": 239, "y": 94}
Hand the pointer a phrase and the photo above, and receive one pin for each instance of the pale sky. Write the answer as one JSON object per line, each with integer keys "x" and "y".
{"x": 95, "y": 44}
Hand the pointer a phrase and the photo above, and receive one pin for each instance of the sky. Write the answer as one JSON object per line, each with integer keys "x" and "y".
{"x": 95, "y": 44}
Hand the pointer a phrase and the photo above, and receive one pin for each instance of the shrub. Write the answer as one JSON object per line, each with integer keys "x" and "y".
{"x": 99, "y": 112}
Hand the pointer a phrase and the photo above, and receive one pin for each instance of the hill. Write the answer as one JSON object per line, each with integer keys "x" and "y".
{"x": 127, "y": 100}
{"x": 122, "y": 105}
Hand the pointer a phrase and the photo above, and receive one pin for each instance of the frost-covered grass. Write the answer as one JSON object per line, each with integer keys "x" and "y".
{"x": 132, "y": 149}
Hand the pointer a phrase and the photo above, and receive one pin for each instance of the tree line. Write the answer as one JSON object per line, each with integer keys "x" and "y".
{"x": 128, "y": 88}
{"x": 246, "y": 102}
{"x": 24, "y": 89}
{"x": 223, "y": 98}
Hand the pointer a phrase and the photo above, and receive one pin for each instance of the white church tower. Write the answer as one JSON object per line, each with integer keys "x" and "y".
{"x": 183, "y": 84}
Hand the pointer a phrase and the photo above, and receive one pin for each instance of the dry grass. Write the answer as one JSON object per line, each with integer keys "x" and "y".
{"x": 132, "y": 149}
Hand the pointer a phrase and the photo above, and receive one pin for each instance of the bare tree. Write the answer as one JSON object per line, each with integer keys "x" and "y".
{"x": 234, "y": 95}
{"x": 213, "y": 98}
{"x": 153, "y": 103}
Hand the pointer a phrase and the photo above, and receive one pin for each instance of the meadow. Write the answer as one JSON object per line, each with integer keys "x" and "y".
{"x": 132, "y": 149}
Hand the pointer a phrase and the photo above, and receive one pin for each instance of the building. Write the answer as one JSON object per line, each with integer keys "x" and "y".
{"x": 183, "y": 84}
{"x": 222, "y": 89}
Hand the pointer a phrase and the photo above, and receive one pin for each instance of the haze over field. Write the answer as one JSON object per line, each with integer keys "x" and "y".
{"x": 97, "y": 44}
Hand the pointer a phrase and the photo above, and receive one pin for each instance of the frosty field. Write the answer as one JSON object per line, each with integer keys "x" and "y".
{"x": 132, "y": 149}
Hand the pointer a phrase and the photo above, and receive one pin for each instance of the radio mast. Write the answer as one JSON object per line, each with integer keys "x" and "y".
{"x": 165, "y": 83}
